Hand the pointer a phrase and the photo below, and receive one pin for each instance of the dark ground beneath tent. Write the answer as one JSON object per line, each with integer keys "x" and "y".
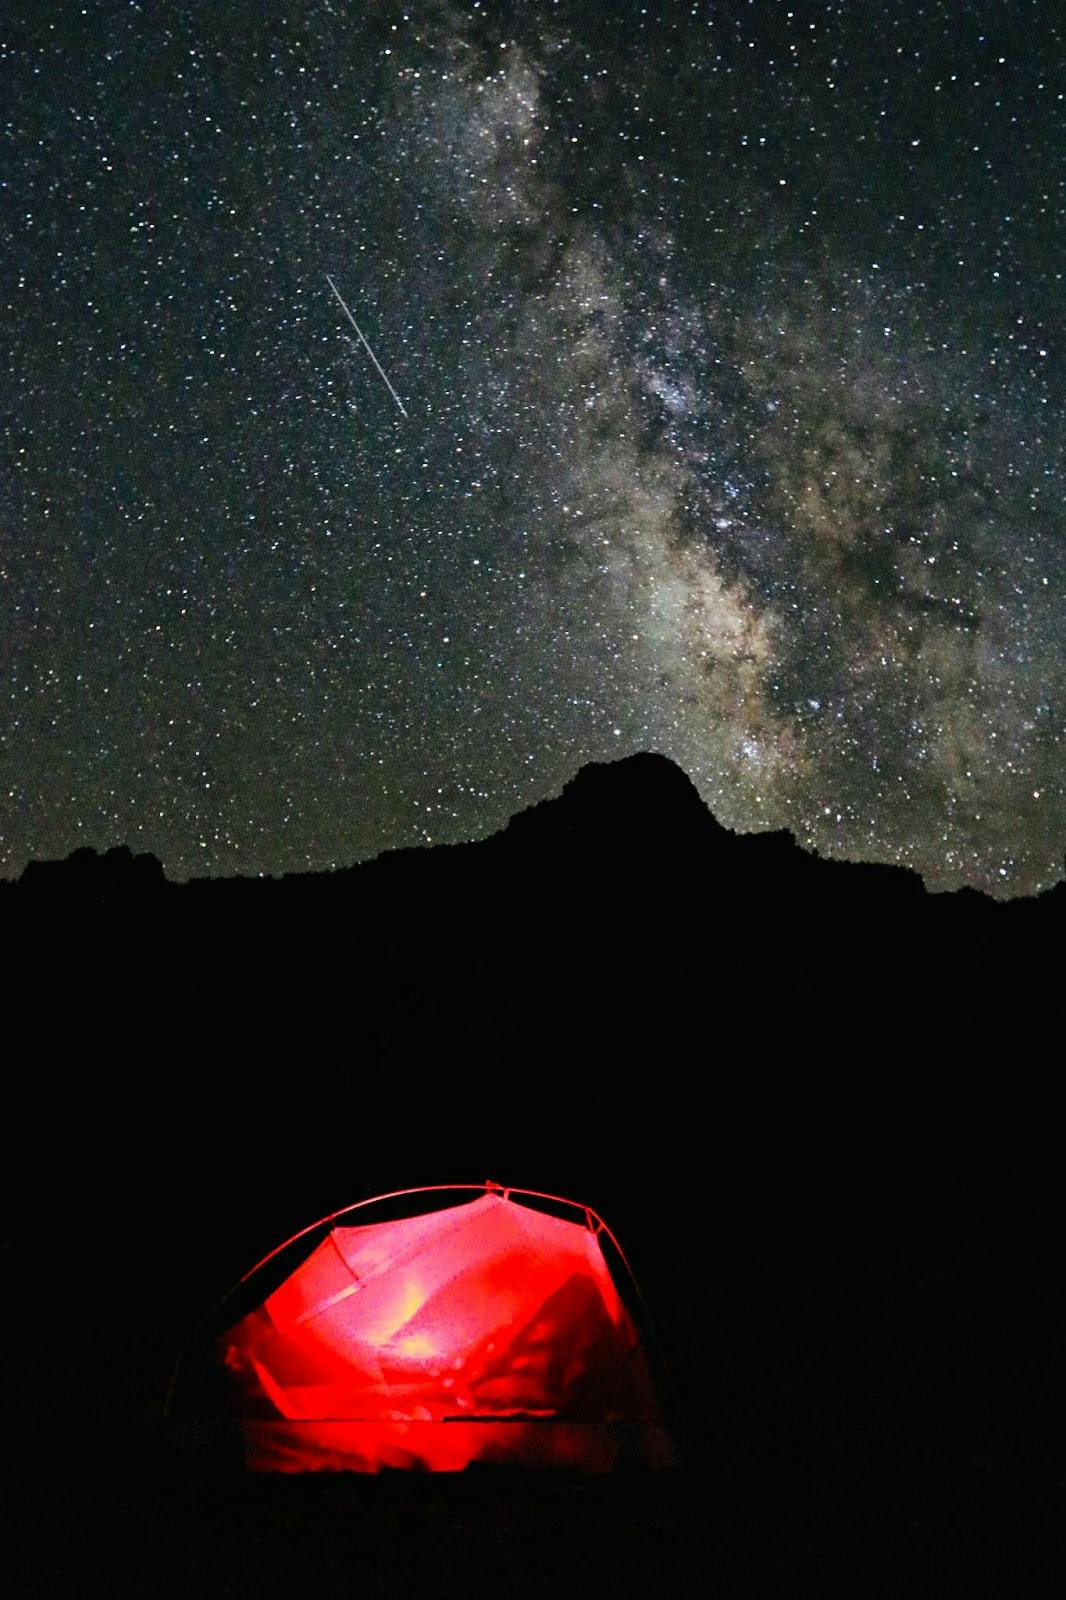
{"x": 791, "y": 1533}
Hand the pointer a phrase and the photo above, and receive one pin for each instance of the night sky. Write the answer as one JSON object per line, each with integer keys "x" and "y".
{"x": 728, "y": 336}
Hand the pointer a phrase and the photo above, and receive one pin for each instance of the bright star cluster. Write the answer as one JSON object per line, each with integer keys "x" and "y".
{"x": 728, "y": 340}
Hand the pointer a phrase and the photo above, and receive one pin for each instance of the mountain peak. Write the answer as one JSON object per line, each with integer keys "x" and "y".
{"x": 639, "y": 801}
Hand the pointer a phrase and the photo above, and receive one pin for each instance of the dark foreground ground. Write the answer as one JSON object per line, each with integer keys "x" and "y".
{"x": 171, "y": 1531}
{"x": 855, "y": 1281}
{"x": 820, "y": 1110}
{"x": 865, "y": 1376}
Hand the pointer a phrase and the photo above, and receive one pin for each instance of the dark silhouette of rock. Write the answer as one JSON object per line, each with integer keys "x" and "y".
{"x": 583, "y": 908}
{"x": 643, "y": 803}
{"x": 87, "y": 876}
{"x": 635, "y": 827}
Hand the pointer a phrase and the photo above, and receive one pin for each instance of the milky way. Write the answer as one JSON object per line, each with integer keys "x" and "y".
{"x": 727, "y": 340}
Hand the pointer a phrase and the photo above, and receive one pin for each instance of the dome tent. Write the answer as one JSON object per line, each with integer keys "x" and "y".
{"x": 489, "y": 1330}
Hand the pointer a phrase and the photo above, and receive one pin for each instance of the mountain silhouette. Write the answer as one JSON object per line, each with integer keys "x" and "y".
{"x": 633, "y": 829}
{"x": 625, "y": 885}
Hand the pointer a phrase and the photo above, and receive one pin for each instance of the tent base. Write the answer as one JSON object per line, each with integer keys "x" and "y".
{"x": 292, "y": 1446}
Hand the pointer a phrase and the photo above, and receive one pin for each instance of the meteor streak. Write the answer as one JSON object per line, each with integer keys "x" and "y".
{"x": 369, "y": 352}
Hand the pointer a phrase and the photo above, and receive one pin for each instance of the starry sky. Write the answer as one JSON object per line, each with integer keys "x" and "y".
{"x": 729, "y": 341}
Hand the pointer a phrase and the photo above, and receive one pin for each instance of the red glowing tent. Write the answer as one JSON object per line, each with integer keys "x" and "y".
{"x": 487, "y": 1331}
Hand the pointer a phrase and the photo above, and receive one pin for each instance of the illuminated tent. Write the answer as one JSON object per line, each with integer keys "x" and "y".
{"x": 488, "y": 1331}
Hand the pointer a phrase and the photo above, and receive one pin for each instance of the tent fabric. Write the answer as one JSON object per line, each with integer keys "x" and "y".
{"x": 487, "y": 1331}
